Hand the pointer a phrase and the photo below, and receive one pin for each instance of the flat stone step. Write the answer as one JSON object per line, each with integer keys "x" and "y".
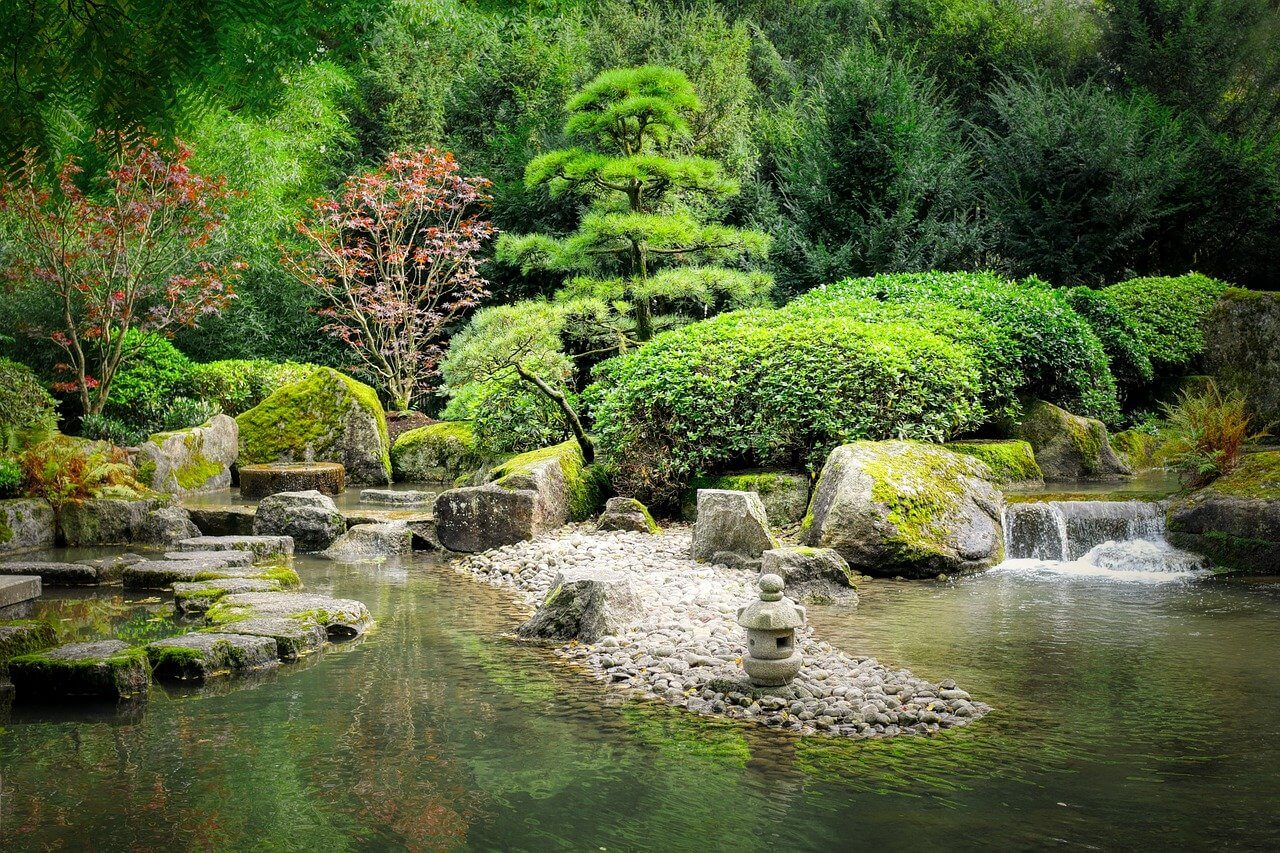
{"x": 106, "y": 669}
{"x": 294, "y": 638}
{"x": 201, "y": 656}
{"x": 162, "y": 574}
{"x": 222, "y": 520}
{"x": 23, "y": 637}
{"x": 15, "y": 589}
{"x": 340, "y": 617}
{"x": 395, "y": 497}
{"x": 262, "y": 546}
{"x": 224, "y": 558}
{"x": 64, "y": 574}
{"x": 422, "y": 523}
{"x": 190, "y": 599}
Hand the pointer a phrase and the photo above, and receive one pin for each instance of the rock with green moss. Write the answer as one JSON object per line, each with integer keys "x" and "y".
{"x": 106, "y": 669}
{"x": 436, "y": 453}
{"x": 201, "y": 656}
{"x": 1242, "y": 348}
{"x": 22, "y": 637}
{"x": 115, "y": 521}
{"x": 906, "y": 508}
{"x": 627, "y": 514}
{"x": 1067, "y": 446}
{"x": 327, "y": 417}
{"x": 194, "y": 598}
{"x": 162, "y": 574}
{"x": 190, "y": 461}
{"x": 294, "y": 638}
{"x": 340, "y": 617}
{"x": 1011, "y": 462}
{"x": 1235, "y": 521}
{"x": 25, "y": 525}
{"x": 812, "y": 575}
{"x": 785, "y": 494}
{"x": 310, "y": 518}
{"x": 1140, "y": 451}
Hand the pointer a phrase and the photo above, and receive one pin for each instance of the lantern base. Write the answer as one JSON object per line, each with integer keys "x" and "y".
{"x": 772, "y": 673}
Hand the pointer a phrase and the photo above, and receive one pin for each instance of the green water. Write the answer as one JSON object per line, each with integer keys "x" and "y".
{"x": 1128, "y": 715}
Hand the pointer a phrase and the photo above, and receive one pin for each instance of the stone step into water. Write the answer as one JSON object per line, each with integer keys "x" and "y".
{"x": 294, "y": 638}
{"x": 106, "y": 669}
{"x": 371, "y": 542}
{"x": 192, "y": 599}
{"x": 340, "y": 617}
{"x": 224, "y": 558}
{"x": 15, "y": 589}
{"x": 261, "y": 546}
{"x": 222, "y": 520}
{"x": 22, "y": 637}
{"x": 161, "y": 574}
{"x": 202, "y": 656}
{"x": 65, "y": 574}
{"x": 393, "y": 497}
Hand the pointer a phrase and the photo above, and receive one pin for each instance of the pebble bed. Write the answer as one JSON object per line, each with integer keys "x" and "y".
{"x": 686, "y": 648}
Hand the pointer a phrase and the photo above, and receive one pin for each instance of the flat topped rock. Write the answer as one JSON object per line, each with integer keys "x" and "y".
{"x": 15, "y": 589}
{"x": 393, "y": 497}
{"x": 201, "y": 656}
{"x": 341, "y": 617}
{"x": 262, "y": 546}
{"x": 371, "y": 542}
{"x": 161, "y": 574}
{"x": 197, "y": 597}
{"x": 224, "y": 558}
{"x": 221, "y": 520}
{"x": 107, "y": 669}
{"x": 62, "y": 574}
{"x": 293, "y": 637}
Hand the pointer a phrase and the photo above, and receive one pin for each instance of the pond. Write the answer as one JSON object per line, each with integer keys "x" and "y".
{"x": 1128, "y": 714}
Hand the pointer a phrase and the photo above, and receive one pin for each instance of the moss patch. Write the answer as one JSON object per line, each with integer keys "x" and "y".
{"x": 1257, "y": 477}
{"x": 439, "y": 452}
{"x": 920, "y": 486}
{"x": 586, "y": 485}
{"x": 1011, "y": 461}
{"x": 197, "y": 472}
{"x": 23, "y": 637}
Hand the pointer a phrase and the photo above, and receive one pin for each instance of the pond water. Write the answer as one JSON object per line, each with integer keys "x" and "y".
{"x": 1130, "y": 712}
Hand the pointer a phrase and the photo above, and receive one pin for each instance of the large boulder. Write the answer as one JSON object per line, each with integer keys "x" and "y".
{"x": 812, "y": 574}
{"x": 1011, "y": 462}
{"x": 327, "y": 417}
{"x": 785, "y": 494}
{"x": 365, "y": 542}
{"x": 26, "y": 525}
{"x": 627, "y": 514}
{"x": 906, "y": 508}
{"x": 1235, "y": 521}
{"x": 166, "y": 525}
{"x": 192, "y": 460}
{"x": 528, "y": 494}
{"x": 312, "y": 519}
{"x": 1242, "y": 347}
{"x": 437, "y": 453}
{"x": 585, "y": 605}
{"x": 1067, "y": 446}
{"x": 732, "y": 528}
{"x": 115, "y": 521}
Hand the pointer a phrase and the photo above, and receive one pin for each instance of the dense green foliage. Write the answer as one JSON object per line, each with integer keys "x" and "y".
{"x": 1206, "y": 433}
{"x": 10, "y": 478}
{"x": 237, "y": 385}
{"x": 27, "y": 412}
{"x": 1125, "y": 348}
{"x": 153, "y": 373}
{"x": 1167, "y": 315}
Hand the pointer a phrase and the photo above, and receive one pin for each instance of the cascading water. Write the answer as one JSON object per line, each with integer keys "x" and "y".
{"x": 1115, "y": 538}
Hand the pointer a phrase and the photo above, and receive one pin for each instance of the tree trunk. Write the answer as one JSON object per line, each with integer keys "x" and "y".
{"x": 575, "y": 423}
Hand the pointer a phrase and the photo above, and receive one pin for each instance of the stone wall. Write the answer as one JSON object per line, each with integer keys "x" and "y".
{"x": 1242, "y": 347}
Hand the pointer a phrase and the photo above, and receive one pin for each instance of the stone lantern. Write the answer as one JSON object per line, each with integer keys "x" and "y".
{"x": 772, "y": 658}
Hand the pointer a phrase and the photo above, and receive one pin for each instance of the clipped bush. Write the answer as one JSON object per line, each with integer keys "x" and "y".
{"x": 28, "y": 414}
{"x": 113, "y": 431}
{"x": 769, "y": 388}
{"x": 1126, "y": 351}
{"x": 513, "y": 417}
{"x": 152, "y": 374}
{"x": 1168, "y": 314}
{"x": 1058, "y": 354}
{"x": 237, "y": 385}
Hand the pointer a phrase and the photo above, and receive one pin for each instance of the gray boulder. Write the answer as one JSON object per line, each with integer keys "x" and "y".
{"x": 812, "y": 574}
{"x": 1235, "y": 521}
{"x": 585, "y": 605}
{"x": 731, "y": 524}
{"x": 906, "y": 508}
{"x": 190, "y": 461}
{"x": 312, "y": 519}
{"x": 26, "y": 525}
{"x": 785, "y": 494}
{"x": 166, "y": 525}
{"x": 1067, "y": 446}
{"x": 371, "y": 542}
{"x": 201, "y": 656}
{"x": 477, "y": 518}
{"x": 627, "y": 514}
{"x": 105, "y": 521}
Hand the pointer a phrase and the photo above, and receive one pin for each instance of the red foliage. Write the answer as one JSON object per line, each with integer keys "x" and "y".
{"x": 394, "y": 257}
{"x": 130, "y": 255}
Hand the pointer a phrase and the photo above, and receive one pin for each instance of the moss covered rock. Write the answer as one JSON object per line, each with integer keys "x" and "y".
{"x": 192, "y": 460}
{"x": 1011, "y": 462}
{"x": 1235, "y": 521}
{"x": 107, "y": 669}
{"x": 1140, "y": 451}
{"x": 201, "y": 656}
{"x": 785, "y": 494}
{"x": 24, "y": 636}
{"x": 1242, "y": 347}
{"x": 25, "y": 525}
{"x": 327, "y": 417}
{"x": 115, "y": 521}
{"x": 627, "y": 514}
{"x": 437, "y": 453}
{"x": 906, "y": 508}
{"x": 1067, "y": 446}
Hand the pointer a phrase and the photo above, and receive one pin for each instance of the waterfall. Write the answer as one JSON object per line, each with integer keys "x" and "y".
{"x": 1067, "y": 530}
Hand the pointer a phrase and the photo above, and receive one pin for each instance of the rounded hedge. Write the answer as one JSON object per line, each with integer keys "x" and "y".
{"x": 152, "y": 373}
{"x": 1130, "y": 361}
{"x": 237, "y": 385}
{"x": 769, "y": 387}
{"x": 1059, "y": 357}
{"x": 28, "y": 414}
{"x": 1168, "y": 314}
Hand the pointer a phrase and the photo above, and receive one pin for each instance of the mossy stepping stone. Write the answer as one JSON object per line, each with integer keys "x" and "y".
{"x": 340, "y": 617}
{"x": 293, "y": 637}
{"x": 21, "y": 637}
{"x": 106, "y": 669}
{"x": 62, "y": 574}
{"x": 190, "y": 599}
{"x": 201, "y": 656}
{"x": 225, "y": 558}
{"x": 262, "y": 546}
{"x": 161, "y": 574}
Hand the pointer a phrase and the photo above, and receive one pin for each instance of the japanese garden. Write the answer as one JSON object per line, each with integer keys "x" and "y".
{"x": 640, "y": 424}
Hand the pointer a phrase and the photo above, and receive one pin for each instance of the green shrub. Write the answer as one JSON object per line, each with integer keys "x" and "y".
{"x": 769, "y": 388}
{"x": 28, "y": 413}
{"x": 113, "y": 430}
{"x": 153, "y": 372}
{"x": 1059, "y": 357}
{"x": 184, "y": 413}
{"x": 10, "y": 478}
{"x": 237, "y": 385}
{"x": 513, "y": 417}
{"x": 1130, "y": 362}
{"x": 1168, "y": 314}
{"x": 1206, "y": 433}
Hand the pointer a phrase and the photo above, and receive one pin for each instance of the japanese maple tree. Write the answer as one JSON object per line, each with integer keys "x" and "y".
{"x": 395, "y": 259}
{"x": 132, "y": 252}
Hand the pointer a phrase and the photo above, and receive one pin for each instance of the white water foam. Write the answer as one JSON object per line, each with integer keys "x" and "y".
{"x": 1132, "y": 561}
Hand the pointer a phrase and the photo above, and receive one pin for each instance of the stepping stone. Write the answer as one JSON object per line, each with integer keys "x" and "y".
{"x": 61, "y": 574}
{"x": 222, "y": 521}
{"x": 340, "y": 617}
{"x": 111, "y": 568}
{"x": 371, "y": 542}
{"x": 201, "y": 656}
{"x": 106, "y": 669}
{"x": 15, "y": 589}
{"x": 225, "y": 558}
{"x": 293, "y": 637}
{"x": 262, "y": 546}
{"x": 191, "y": 599}
{"x": 23, "y": 637}
{"x": 397, "y": 498}
{"x": 161, "y": 574}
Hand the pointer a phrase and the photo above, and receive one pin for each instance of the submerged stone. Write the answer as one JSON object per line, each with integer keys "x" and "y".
{"x": 260, "y": 546}
{"x": 340, "y": 617}
{"x": 107, "y": 669}
{"x": 201, "y": 656}
{"x": 392, "y": 497}
{"x": 64, "y": 574}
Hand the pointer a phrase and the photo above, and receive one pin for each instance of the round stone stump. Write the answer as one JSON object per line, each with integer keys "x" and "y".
{"x": 259, "y": 481}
